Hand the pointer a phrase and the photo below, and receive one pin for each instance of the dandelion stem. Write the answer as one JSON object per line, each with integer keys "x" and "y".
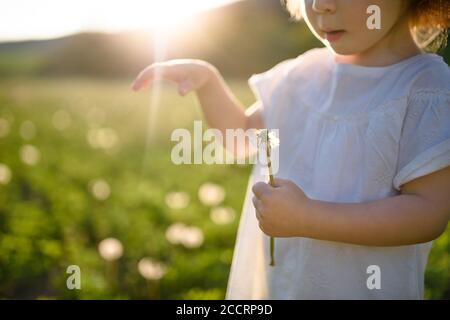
{"x": 271, "y": 182}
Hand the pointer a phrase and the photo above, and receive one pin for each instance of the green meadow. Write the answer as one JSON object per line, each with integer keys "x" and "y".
{"x": 85, "y": 166}
{"x": 86, "y": 160}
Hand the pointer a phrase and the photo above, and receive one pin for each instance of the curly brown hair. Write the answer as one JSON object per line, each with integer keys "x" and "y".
{"x": 430, "y": 21}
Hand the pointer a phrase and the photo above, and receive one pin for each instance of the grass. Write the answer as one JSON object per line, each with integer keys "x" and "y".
{"x": 50, "y": 219}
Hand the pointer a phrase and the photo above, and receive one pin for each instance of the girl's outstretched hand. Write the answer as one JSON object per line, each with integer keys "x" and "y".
{"x": 188, "y": 74}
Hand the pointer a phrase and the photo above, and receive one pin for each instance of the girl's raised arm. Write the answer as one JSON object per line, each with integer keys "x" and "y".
{"x": 220, "y": 106}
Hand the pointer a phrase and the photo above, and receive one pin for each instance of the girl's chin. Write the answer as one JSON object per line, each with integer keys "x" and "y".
{"x": 341, "y": 49}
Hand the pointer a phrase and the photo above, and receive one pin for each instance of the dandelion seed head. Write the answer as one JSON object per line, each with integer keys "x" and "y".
{"x": 193, "y": 237}
{"x": 5, "y": 174}
{"x": 274, "y": 141}
{"x": 222, "y": 215}
{"x": 151, "y": 269}
{"x": 267, "y": 136}
{"x": 175, "y": 232}
{"x": 110, "y": 249}
{"x": 102, "y": 138}
{"x": 177, "y": 200}
{"x": 100, "y": 189}
{"x": 190, "y": 237}
{"x": 30, "y": 155}
{"x": 211, "y": 194}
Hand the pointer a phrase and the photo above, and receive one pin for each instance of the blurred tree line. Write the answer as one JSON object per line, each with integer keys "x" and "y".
{"x": 240, "y": 39}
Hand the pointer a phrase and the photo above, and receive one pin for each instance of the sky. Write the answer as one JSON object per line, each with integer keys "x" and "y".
{"x": 42, "y": 19}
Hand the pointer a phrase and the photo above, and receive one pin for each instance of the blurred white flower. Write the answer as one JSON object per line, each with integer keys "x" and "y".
{"x": 110, "y": 249}
{"x": 150, "y": 269}
{"x": 190, "y": 237}
{"x": 4, "y": 127}
{"x": 100, "y": 189}
{"x": 175, "y": 232}
{"x": 102, "y": 138}
{"x": 5, "y": 174}
{"x": 222, "y": 215}
{"x": 29, "y": 154}
{"x": 211, "y": 194}
{"x": 27, "y": 130}
{"x": 177, "y": 200}
{"x": 61, "y": 120}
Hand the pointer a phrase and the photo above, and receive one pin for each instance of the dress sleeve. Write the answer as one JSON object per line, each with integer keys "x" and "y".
{"x": 266, "y": 86}
{"x": 425, "y": 139}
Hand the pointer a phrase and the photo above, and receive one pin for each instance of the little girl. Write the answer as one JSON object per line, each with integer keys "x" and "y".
{"x": 363, "y": 186}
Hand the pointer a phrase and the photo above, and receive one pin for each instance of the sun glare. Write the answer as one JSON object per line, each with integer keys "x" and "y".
{"x": 50, "y": 18}
{"x": 168, "y": 14}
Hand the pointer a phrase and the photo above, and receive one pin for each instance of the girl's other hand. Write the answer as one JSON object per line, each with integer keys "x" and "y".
{"x": 188, "y": 74}
{"x": 281, "y": 210}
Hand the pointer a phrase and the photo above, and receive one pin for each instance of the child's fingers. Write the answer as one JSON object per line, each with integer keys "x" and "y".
{"x": 278, "y": 182}
{"x": 150, "y": 73}
{"x": 260, "y": 189}
{"x": 257, "y": 204}
{"x": 185, "y": 87}
{"x": 139, "y": 83}
{"x": 143, "y": 79}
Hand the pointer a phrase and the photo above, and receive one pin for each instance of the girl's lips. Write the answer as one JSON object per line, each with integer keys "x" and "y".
{"x": 333, "y": 36}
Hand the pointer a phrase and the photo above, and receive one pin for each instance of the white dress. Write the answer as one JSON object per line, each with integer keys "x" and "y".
{"x": 348, "y": 133}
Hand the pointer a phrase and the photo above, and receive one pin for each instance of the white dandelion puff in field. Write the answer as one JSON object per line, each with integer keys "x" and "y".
{"x": 110, "y": 249}
{"x": 190, "y": 237}
{"x": 30, "y": 155}
{"x": 211, "y": 194}
{"x": 27, "y": 130}
{"x": 61, "y": 120}
{"x": 102, "y": 138}
{"x": 175, "y": 232}
{"x": 151, "y": 269}
{"x": 100, "y": 189}
{"x": 222, "y": 215}
{"x": 5, "y": 174}
{"x": 177, "y": 200}
{"x": 4, "y": 127}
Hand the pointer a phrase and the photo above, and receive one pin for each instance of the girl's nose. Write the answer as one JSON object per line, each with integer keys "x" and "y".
{"x": 324, "y": 6}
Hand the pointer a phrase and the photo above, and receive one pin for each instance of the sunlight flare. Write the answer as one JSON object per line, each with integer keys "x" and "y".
{"x": 50, "y": 18}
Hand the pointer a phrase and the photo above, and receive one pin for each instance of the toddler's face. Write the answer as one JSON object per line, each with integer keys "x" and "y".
{"x": 342, "y": 24}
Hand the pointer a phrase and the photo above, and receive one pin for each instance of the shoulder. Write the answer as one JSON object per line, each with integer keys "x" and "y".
{"x": 432, "y": 78}
{"x": 288, "y": 68}
{"x": 425, "y": 133}
{"x": 273, "y": 86}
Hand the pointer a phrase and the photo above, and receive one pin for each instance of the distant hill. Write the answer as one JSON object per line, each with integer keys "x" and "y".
{"x": 240, "y": 39}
